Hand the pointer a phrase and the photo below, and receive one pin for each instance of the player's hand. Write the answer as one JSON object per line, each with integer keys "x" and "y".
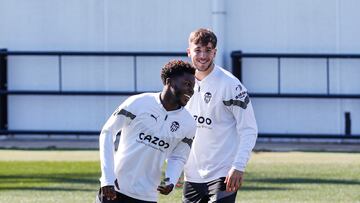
{"x": 165, "y": 189}
{"x": 108, "y": 192}
{"x": 233, "y": 180}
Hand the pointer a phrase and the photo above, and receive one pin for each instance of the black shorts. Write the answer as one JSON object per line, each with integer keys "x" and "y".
{"x": 213, "y": 191}
{"x": 120, "y": 198}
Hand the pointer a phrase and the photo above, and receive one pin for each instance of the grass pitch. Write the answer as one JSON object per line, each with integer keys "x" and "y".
{"x": 72, "y": 176}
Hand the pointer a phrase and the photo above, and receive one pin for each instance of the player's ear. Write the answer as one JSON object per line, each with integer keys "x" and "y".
{"x": 188, "y": 52}
{"x": 168, "y": 81}
{"x": 171, "y": 82}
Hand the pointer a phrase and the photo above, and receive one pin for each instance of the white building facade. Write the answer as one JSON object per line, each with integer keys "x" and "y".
{"x": 252, "y": 26}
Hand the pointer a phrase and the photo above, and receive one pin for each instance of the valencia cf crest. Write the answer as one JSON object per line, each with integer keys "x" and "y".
{"x": 238, "y": 88}
{"x": 174, "y": 126}
{"x": 207, "y": 97}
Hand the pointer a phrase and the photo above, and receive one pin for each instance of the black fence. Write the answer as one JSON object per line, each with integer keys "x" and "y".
{"x": 237, "y": 59}
{"x": 4, "y": 92}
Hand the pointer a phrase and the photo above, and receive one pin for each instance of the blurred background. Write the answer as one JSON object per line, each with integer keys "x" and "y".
{"x": 66, "y": 65}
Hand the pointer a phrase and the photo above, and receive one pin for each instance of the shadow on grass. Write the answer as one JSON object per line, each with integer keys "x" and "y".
{"x": 257, "y": 188}
{"x": 47, "y": 189}
{"x": 305, "y": 181}
{"x": 88, "y": 178}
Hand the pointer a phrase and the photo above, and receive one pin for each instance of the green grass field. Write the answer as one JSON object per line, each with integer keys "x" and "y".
{"x": 72, "y": 176}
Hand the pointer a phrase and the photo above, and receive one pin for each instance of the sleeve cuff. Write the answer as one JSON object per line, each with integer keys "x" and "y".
{"x": 106, "y": 182}
{"x": 239, "y": 168}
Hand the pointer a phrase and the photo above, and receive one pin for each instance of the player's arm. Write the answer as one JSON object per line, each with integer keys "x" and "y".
{"x": 241, "y": 107}
{"x": 176, "y": 162}
{"x": 106, "y": 147}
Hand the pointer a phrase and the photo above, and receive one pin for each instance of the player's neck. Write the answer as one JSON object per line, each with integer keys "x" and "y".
{"x": 200, "y": 75}
{"x": 168, "y": 101}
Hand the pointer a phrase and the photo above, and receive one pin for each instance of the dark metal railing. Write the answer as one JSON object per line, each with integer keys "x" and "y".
{"x": 238, "y": 57}
{"x": 3, "y": 87}
{"x": 60, "y": 54}
{"x": 4, "y": 92}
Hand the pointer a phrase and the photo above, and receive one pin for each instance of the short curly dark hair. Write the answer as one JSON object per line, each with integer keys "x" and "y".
{"x": 176, "y": 68}
{"x": 203, "y": 36}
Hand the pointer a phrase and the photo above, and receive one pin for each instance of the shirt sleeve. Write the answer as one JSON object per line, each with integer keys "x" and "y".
{"x": 113, "y": 125}
{"x": 241, "y": 107}
{"x": 179, "y": 156}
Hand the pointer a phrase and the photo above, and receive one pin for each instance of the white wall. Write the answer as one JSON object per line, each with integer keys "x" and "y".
{"x": 282, "y": 26}
{"x": 101, "y": 25}
{"x": 306, "y": 26}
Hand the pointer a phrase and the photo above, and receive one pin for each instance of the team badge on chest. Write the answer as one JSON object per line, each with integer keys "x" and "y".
{"x": 207, "y": 97}
{"x": 174, "y": 126}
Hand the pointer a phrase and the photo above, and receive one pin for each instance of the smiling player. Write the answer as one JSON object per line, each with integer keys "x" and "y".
{"x": 226, "y": 127}
{"x": 154, "y": 127}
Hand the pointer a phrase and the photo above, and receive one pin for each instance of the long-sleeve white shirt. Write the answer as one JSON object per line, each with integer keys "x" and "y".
{"x": 226, "y": 127}
{"x": 149, "y": 135}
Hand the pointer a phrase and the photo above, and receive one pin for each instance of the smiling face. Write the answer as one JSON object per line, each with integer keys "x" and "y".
{"x": 202, "y": 56}
{"x": 182, "y": 88}
{"x": 179, "y": 79}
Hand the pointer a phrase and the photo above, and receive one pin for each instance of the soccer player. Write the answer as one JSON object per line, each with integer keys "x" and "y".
{"x": 154, "y": 127}
{"x": 226, "y": 127}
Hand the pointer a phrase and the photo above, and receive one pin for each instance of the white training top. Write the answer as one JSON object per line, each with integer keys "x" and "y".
{"x": 226, "y": 127}
{"x": 149, "y": 135}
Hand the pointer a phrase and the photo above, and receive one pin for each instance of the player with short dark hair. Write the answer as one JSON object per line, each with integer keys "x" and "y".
{"x": 154, "y": 127}
{"x": 226, "y": 127}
